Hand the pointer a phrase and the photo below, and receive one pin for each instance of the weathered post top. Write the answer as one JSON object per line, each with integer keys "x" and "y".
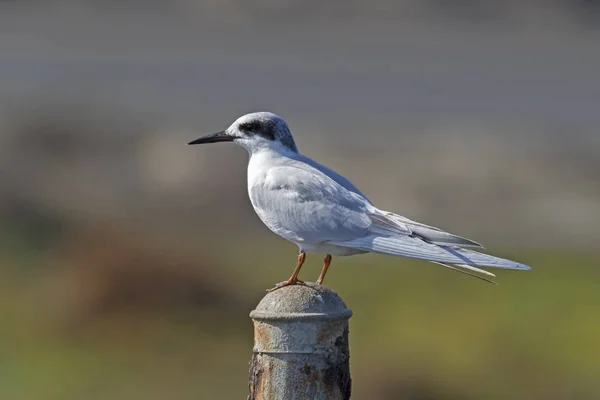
{"x": 300, "y": 345}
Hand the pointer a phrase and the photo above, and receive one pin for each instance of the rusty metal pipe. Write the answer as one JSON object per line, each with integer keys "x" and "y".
{"x": 300, "y": 345}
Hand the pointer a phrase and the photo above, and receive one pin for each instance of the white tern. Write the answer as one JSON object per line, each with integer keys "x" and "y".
{"x": 322, "y": 212}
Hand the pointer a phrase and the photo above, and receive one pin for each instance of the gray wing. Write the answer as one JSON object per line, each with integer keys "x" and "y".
{"x": 304, "y": 200}
{"x": 390, "y": 222}
{"x": 339, "y": 179}
{"x": 396, "y": 224}
{"x": 302, "y": 203}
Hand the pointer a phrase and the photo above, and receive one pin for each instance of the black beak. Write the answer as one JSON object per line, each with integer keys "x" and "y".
{"x": 214, "y": 138}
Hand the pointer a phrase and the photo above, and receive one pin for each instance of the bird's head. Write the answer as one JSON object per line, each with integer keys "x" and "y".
{"x": 255, "y": 131}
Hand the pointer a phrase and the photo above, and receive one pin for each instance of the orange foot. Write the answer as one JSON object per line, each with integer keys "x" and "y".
{"x": 289, "y": 282}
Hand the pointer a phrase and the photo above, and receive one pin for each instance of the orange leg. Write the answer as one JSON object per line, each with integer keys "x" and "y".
{"x": 294, "y": 278}
{"x": 326, "y": 264}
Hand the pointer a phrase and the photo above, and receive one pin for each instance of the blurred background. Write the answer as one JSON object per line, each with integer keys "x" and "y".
{"x": 130, "y": 262}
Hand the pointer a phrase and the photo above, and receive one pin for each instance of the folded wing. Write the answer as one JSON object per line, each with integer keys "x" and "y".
{"x": 394, "y": 223}
{"x": 303, "y": 204}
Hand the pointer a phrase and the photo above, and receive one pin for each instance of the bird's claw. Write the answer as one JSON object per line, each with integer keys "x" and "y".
{"x": 286, "y": 283}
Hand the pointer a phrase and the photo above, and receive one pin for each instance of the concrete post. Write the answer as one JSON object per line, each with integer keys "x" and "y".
{"x": 300, "y": 345}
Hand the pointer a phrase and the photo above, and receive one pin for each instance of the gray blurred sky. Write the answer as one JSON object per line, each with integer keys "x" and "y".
{"x": 205, "y": 62}
{"x": 483, "y": 116}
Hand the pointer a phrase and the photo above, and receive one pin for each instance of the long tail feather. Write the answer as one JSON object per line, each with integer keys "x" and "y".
{"x": 466, "y": 272}
{"x": 471, "y": 268}
{"x": 414, "y": 247}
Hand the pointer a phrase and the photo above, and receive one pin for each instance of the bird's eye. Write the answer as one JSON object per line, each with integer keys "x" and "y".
{"x": 250, "y": 127}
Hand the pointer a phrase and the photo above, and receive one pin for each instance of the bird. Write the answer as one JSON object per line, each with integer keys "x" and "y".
{"x": 322, "y": 212}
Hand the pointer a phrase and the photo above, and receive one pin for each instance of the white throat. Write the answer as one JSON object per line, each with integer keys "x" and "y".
{"x": 256, "y": 144}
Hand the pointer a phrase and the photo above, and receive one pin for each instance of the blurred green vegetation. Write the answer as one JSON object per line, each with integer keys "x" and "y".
{"x": 100, "y": 315}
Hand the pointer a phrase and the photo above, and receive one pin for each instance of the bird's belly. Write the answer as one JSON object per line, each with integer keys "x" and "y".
{"x": 326, "y": 248}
